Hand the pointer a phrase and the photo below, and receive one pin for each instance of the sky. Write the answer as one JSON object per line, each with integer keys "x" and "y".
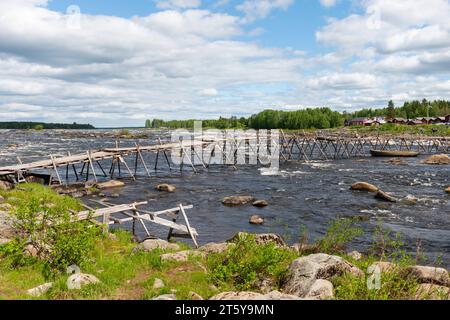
{"x": 115, "y": 63}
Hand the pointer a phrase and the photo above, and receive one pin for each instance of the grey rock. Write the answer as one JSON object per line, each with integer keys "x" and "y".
{"x": 430, "y": 275}
{"x": 385, "y": 196}
{"x": 321, "y": 290}
{"x": 216, "y": 247}
{"x": 158, "y": 284}
{"x": 166, "y": 297}
{"x": 40, "y": 290}
{"x": 166, "y": 187}
{"x": 152, "y": 244}
{"x": 181, "y": 256}
{"x": 428, "y": 291}
{"x": 260, "y": 203}
{"x": 78, "y": 280}
{"x": 237, "y": 200}
{"x": 261, "y": 238}
{"x": 256, "y": 219}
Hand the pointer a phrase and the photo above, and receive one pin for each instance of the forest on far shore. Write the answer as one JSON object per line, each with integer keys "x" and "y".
{"x": 312, "y": 118}
{"x": 41, "y": 125}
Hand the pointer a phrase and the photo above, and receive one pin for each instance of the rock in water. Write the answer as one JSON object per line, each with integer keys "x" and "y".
{"x": 166, "y": 187}
{"x": 109, "y": 184}
{"x": 237, "y": 200}
{"x": 440, "y": 159}
{"x": 76, "y": 281}
{"x": 385, "y": 196}
{"x": 364, "y": 186}
{"x": 260, "y": 203}
{"x": 255, "y": 219}
{"x": 447, "y": 190}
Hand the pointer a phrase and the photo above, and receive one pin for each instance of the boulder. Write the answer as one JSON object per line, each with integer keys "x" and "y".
{"x": 40, "y": 290}
{"x": 248, "y": 295}
{"x": 195, "y": 296}
{"x": 430, "y": 275}
{"x": 181, "y": 256}
{"x": 216, "y": 247}
{"x": 152, "y": 244}
{"x": 321, "y": 290}
{"x": 158, "y": 284}
{"x": 170, "y": 296}
{"x": 355, "y": 255}
{"x": 2, "y": 199}
{"x": 304, "y": 247}
{"x": 439, "y": 159}
{"x": 166, "y": 187}
{"x": 385, "y": 196}
{"x": 256, "y": 219}
{"x": 260, "y": 203}
{"x": 427, "y": 291}
{"x": 237, "y": 200}
{"x": 109, "y": 184}
{"x": 364, "y": 186}
{"x": 447, "y": 190}
{"x": 34, "y": 179}
{"x": 261, "y": 238}
{"x": 383, "y": 267}
{"x": 5, "y": 185}
{"x": 78, "y": 280}
{"x": 303, "y": 273}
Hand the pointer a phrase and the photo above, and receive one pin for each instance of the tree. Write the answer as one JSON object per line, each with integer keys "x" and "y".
{"x": 390, "y": 114}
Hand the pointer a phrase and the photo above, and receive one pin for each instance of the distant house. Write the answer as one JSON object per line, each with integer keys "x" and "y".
{"x": 415, "y": 123}
{"x": 426, "y": 120}
{"x": 399, "y": 121}
{"x": 356, "y": 122}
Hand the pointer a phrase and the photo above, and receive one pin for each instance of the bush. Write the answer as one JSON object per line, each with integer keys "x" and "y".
{"x": 339, "y": 233}
{"x": 246, "y": 264}
{"x": 43, "y": 219}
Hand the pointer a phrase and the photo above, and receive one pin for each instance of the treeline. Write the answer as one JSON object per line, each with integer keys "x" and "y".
{"x": 42, "y": 125}
{"x": 409, "y": 110}
{"x": 313, "y": 118}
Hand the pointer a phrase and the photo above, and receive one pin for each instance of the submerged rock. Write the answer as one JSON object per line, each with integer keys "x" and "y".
{"x": 166, "y": 187}
{"x": 364, "y": 186}
{"x": 256, "y": 219}
{"x": 440, "y": 159}
{"x": 385, "y": 196}
{"x": 260, "y": 203}
{"x": 109, "y": 184}
{"x": 237, "y": 200}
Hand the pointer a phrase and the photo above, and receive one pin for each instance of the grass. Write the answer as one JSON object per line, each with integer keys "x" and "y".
{"x": 389, "y": 128}
{"x": 125, "y": 273}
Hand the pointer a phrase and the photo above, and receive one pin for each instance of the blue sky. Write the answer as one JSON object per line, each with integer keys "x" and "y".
{"x": 119, "y": 63}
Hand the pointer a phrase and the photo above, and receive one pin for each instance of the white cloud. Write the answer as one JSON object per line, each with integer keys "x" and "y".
{"x": 260, "y": 9}
{"x": 209, "y": 92}
{"x": 182, "y": 4}
{"x": 328, "y": 3}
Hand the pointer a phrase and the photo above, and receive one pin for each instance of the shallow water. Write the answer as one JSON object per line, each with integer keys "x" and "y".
{"x": 301, "y": 194}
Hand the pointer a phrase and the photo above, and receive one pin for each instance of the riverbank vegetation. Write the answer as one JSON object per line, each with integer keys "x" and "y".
{"x": 311, "y": 118}
{"x": 47, "y": 244}
{"x": 42, "y": 125}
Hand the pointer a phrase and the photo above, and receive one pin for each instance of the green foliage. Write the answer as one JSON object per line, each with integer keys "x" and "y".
{"x": 43, "y": 220}
{"x": 38, "y": 127}
{"x": 245, "y": 264}
{"x": 339, "y": 233}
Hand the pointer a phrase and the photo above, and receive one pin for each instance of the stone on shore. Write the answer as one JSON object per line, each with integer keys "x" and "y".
{"x": 248, "y": 295}
{"x": 5, "y": 185}
{"x": 40, "y": 290}
{"x": 256, "y": 219}
{"x": 195, "y": 296}
{"x": 182, "y": 256}
{"x": 430, "y": 275}
{"x": 383, "y": 267}
{"x": 260, "y": 203}
{"x": 158, "y": 284}
{"x": 439, "y": 159}
{"x": 364, "y": 186}
{"x": 237, "y": 200}
{"x": 109, "y": 184}
{"x": 152, "y": 244}
{"x": 78, "y": 280}
{"x": 305, "y": 271}
{"x": 427, "y": 291}
{"x": 321, "y": 290}
{"x": 385, "y": 196}
{"x": 166, "y": 187}
{"x": 216, "y": 247}
{"x": 261, "y": 238}
{"x": 355, "y": 255}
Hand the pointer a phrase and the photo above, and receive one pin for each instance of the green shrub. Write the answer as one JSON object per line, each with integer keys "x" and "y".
{"x": 245, "y": 264}
{"x": 339, "y": 233}
{"x": 44, "y": 220}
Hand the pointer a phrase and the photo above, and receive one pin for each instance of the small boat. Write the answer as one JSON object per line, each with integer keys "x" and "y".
{"x": 393, "y": 153}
